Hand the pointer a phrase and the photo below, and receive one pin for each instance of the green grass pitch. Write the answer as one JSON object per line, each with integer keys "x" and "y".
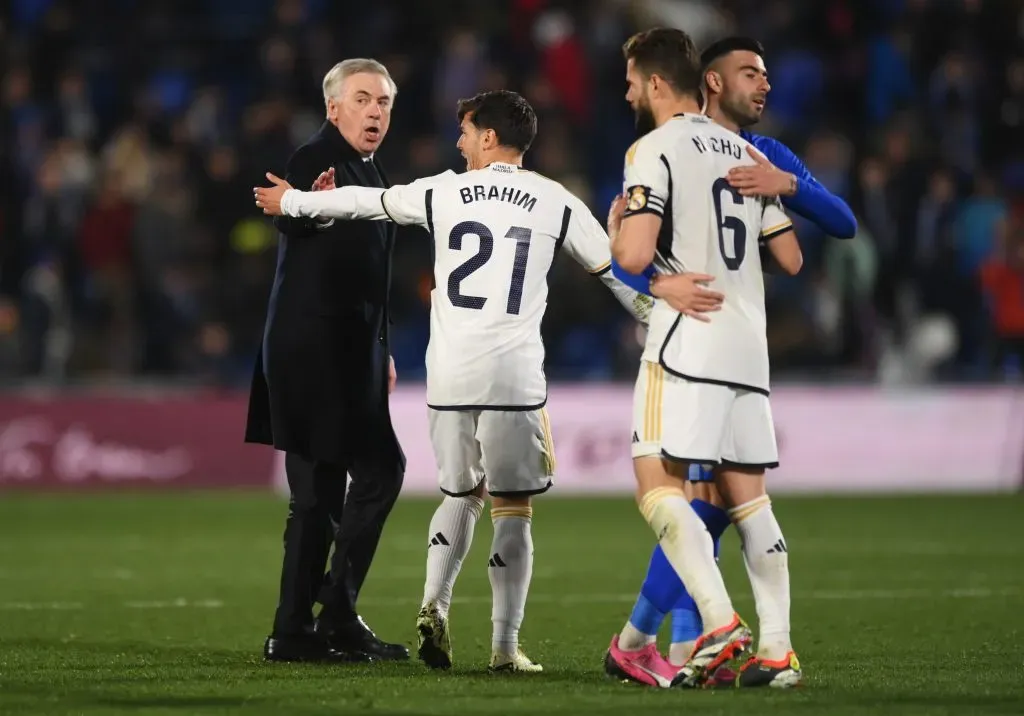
{"x": 159, "y": 604}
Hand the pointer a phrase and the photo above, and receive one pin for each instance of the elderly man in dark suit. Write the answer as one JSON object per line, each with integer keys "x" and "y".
{"x": 321, "y": 383}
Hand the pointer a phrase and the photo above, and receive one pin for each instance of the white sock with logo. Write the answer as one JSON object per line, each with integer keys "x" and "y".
{"x": 451, "y": 534}
{"x": 766, "y": 557}
{"x": 510, "y": 567}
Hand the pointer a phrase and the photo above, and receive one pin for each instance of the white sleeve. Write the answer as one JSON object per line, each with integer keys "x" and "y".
{"x": 409, "y": 203}
{"x": 774, "y": 221}
{"x": 402, "y": 203}
{"x": 647, "y": 179}
{"x": 588, "y": 244}
{"x": 346, "y": 202}
{"x": 586, "y": 241}
{"x": 413, "y": 203}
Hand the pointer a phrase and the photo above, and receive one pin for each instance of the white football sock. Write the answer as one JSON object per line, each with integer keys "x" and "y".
{"x": 510, "y": 567}
{"x": 632, "y": 639}
{"x": 679, "y": 652}
{"x": 767, "y": 560}
{"x": 690, "y": 551}
{"x": 451, "y": 534}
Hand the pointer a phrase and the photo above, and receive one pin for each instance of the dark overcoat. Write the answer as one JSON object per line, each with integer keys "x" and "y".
{"x": 319, "y": 388}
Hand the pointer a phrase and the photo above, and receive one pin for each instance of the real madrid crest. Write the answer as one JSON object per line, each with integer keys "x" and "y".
{"x": 637, "y": 198}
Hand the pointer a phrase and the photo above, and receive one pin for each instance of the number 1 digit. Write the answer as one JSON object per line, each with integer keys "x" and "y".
{"x": 515, "y": 290}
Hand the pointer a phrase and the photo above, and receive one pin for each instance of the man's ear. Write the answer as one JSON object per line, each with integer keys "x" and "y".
{"x": 713, "y": 81}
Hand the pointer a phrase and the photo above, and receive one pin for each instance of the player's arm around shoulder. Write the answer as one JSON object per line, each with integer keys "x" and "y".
{"x": 778, "y": 171}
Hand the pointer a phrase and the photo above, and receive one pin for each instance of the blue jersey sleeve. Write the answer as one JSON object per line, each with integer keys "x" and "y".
{"x": 812, "y": 200}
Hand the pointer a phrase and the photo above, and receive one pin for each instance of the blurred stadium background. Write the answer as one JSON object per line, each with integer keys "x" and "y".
{"x": 134, "y": 274}
{"x": 133, "y": 263}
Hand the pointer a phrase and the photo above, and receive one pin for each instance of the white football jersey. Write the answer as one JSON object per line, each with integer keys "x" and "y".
{"x": 678, "y": 172}
{"x": 496, "y": 232}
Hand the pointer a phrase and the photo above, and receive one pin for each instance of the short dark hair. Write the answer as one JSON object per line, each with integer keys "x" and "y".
{"x": 668, "y": 53}
{"x": 726, "y": 45}
{"x": 507, "y": 113}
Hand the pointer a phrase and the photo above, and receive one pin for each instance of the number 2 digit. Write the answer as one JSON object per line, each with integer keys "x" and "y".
{"x": 522, "y": 237}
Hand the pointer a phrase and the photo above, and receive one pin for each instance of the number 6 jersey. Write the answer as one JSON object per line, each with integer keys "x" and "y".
{"x": 496, "y": 232}
{"x": 677, "y": 171}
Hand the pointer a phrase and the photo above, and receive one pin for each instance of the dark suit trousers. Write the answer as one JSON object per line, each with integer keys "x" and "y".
{"x": 319, "y": 515}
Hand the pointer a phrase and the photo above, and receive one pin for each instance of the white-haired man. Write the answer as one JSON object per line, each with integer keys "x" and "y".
{"x": 321, "y": 382}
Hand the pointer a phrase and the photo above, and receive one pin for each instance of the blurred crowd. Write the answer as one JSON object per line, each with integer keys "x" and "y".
{"x": 133, "y": 131}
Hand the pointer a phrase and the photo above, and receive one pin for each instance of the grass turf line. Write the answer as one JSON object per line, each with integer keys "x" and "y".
{"x": 159, "y": 604}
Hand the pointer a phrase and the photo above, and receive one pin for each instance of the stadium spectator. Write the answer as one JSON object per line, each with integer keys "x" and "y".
{"x": 877, "y": 94}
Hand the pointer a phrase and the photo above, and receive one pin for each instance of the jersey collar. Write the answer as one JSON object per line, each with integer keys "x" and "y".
{"x": 694, "y": 116}
{"x": 503, "y": 167}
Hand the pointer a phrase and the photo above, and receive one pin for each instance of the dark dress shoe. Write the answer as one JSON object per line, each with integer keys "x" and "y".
{"x": 357, "y": 636}
{"x": 309, "y": 647}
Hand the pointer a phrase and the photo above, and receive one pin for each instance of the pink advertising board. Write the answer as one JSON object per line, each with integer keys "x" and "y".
{"x": 832, "y": 440}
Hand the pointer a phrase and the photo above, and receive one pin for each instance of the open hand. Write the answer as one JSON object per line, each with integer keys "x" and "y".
{"x": 762, "y": 178}
{"x": 269, "y": 198}
{"x": 324, "y": 182}
{"x": 686, "y": 293}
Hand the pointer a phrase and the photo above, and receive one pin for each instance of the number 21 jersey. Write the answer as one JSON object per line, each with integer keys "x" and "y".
{"x": 496, "y": 232}
{"x": 678, "y": 171}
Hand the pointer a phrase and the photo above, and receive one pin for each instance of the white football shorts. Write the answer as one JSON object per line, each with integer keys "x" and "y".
{"x": 511, "y": 451}
{"x": 702, "y": 423}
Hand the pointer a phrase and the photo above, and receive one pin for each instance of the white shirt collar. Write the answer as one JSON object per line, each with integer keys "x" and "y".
{"x": 503, "y": 167}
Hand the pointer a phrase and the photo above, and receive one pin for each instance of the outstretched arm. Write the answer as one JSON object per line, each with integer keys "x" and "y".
{"x": 347, "y": 202}
{"x": 407, "y": 204}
